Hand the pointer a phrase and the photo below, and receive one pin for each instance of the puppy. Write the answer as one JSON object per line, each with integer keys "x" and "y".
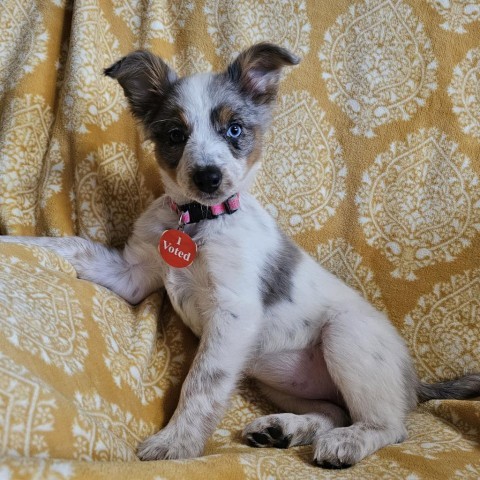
{"x": 261, "y": 306}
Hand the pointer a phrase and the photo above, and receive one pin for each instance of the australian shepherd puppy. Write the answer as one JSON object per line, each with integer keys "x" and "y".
{"x": 261, "y": 306}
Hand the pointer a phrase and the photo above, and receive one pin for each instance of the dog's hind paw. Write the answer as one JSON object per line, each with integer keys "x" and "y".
{"x": 337, "y": 449}
{"x": 281, "y": 430}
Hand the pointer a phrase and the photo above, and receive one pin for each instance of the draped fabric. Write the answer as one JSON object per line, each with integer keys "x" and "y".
{"x": 372, "y": 165}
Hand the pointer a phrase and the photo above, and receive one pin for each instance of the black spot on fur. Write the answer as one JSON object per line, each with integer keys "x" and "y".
{"x": 306, "y": 322}
{"x": 378, "y": 357}
{"x": 291, "y": 333}
{"x": 212, "y": 378}
{"x": 135, "y": 291}
{"x": 181, "y": 301}
{"x": 277, "y": 277}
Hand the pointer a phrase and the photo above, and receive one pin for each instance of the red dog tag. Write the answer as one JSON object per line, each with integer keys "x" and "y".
{"x": 177, "y": 248}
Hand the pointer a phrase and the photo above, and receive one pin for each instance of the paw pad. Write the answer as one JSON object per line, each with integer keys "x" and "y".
{"x": 269, "y": 437}
{"x": 328, "y": 465}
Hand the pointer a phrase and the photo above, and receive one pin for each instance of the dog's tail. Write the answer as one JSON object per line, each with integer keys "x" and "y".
{"x": 458, "y": 389}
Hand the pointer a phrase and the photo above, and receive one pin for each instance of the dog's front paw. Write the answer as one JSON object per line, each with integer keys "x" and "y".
{"x": 165, "y": 445}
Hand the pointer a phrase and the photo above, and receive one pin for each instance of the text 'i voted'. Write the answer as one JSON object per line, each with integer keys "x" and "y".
{"x": 177, "y": 248}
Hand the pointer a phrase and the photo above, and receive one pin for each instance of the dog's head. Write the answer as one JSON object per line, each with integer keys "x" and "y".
{"x": 207, "y": 128}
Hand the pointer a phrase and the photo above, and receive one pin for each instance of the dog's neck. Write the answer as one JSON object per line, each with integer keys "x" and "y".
{"x": 195, "y": 212}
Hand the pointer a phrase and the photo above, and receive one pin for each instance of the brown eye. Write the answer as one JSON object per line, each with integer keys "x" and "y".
{"x": 177, "y": 136}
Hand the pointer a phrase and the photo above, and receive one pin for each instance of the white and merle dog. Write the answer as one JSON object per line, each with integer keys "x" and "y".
{"x": 261, "y": 306}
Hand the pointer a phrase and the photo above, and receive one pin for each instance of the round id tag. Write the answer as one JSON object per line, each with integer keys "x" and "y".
{"x": 177, "y": 248}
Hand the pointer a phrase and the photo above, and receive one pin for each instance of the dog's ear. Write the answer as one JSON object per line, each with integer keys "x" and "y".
{"x": 257, "y": 70}
{"x": 145, "y": 78}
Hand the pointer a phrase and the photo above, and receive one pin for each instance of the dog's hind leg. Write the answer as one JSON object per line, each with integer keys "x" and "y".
{"x": 132, "y": 273}
{"x": 370, "y": 365}
{"x": 307, "y": 419}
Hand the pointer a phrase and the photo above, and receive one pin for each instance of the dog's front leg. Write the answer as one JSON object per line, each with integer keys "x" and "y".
{"x": 131, "y": 273}
{"x": 224, "y": 349}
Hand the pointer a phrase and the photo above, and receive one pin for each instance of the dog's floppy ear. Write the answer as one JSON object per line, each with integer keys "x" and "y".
{"x": 257, "y": 70}
{"x": 145, "y": 78}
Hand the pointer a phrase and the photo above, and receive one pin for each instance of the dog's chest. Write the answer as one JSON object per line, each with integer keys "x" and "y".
{"x": 228, "y": 268}
{"x": 222, "y": 264}
{"x": 183, "y": 289}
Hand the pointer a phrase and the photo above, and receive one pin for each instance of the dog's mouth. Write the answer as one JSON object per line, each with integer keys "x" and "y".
{"x": 210, "y": 199}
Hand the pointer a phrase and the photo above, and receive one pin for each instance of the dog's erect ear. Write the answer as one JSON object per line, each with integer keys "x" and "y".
{"x": 257, "y": 70}
{"x": 145, "y": 78}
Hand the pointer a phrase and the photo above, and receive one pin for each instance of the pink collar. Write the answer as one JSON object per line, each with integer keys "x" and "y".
{"x": 194, "y": 212}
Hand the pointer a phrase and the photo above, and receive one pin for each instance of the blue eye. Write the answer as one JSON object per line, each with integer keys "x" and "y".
{"x": 234, "y": 130}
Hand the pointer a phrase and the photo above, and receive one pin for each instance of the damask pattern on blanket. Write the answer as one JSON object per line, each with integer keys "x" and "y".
{"x": 372, "y": 164}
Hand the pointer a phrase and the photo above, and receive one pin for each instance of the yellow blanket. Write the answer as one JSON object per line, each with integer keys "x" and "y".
{"x": 372, "y": 165}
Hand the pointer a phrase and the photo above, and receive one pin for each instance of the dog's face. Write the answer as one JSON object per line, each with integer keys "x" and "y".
{"x": 207, "y": 128}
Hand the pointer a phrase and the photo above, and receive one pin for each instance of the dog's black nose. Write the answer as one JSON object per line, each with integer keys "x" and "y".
{"x": 208, "y": 179}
